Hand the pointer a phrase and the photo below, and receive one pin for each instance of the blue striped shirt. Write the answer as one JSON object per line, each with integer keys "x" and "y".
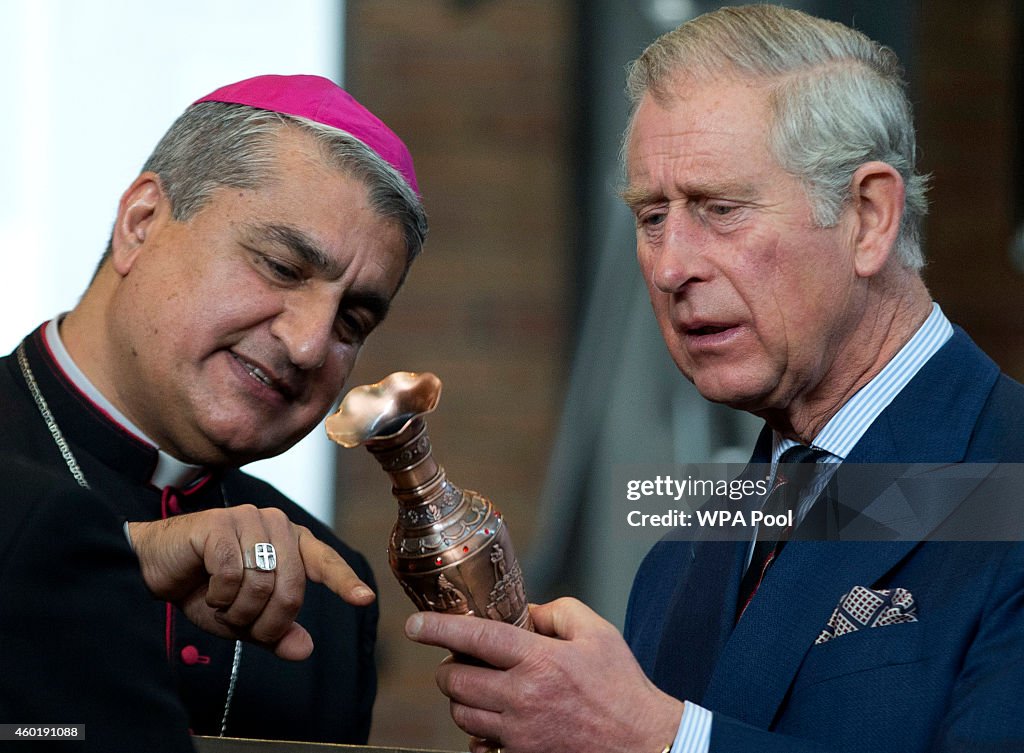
{"x": 837, "y": 438}
{"x": 850, "y": 423}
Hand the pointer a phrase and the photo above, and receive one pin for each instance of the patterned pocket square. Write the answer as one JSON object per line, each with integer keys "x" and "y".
{"x": 867, "y": 608}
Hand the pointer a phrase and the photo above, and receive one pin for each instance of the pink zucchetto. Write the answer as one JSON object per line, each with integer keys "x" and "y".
{"x": 321, "y": 100}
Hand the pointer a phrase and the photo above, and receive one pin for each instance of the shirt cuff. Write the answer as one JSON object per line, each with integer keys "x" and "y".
{"x": 694, "y": 734}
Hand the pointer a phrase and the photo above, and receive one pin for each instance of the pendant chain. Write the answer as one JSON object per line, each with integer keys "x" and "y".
{"x": 51, "y": 422}
{"x": 79, "y": 476}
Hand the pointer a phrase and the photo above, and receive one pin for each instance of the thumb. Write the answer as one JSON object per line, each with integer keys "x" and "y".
{"x": 295, "y": 645}
{"x": 567, "y": 618}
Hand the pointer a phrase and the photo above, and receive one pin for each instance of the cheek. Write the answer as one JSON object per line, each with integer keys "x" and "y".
{"x": 768, "y": 278}
{"x": 220, "y": 309}
{"x": 332, "y": 376}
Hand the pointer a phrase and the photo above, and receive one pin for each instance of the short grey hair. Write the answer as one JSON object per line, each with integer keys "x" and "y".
{"x": 214, "y": 144}
{"x": 838, "y": 100}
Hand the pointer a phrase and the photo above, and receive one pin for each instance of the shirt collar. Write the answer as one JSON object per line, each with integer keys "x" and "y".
{"x": 855, "y": 417}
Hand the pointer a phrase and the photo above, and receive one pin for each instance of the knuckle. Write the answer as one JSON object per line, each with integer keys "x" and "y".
{"x": 235, "y": 619}
{"x": 290, "y": 601}
{"x": 302, "y": 534}
{"x": 219, "y": 515}
{"x": 265, "y": 634}
{"x": 231, "y": 577}
{"x": 245, "y": 511}
{"x": 262, "y": 586}
{"x": 460, "y": 715}
{"x": 274, "y": 515}
{"x": 441, "y": 677}
{"x": 225, "y": 558}
{"x": 476, "y": 631}
{"x": 330, "y": 559}
{"x": 451, "y": 681}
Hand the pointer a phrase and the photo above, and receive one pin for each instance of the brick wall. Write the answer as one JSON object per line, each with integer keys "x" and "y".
{"x": 967, "y": 65}
{"x": 479, "y": 93}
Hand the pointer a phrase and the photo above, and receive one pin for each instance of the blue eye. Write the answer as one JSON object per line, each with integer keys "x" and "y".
{"x": 651, "y": 218}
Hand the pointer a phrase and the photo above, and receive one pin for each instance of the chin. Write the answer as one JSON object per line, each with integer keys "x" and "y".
{"x": 236, "y": 451}
{"x": 742, "y": 396}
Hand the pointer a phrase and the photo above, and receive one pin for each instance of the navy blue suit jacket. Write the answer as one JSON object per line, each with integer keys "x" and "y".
{"x": 953, "y": 680}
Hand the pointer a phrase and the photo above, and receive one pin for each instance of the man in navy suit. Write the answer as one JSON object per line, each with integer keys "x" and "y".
{"x": 770, "y": 167}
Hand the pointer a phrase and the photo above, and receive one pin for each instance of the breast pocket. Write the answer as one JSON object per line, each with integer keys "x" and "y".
{"x": 862, "y": 651}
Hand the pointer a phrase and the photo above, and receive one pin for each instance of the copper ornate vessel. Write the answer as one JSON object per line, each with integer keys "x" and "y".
{"x": 450, "y": 548}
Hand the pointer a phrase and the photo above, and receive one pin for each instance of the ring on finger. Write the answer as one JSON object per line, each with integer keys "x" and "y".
{"x": 262, "y": 557}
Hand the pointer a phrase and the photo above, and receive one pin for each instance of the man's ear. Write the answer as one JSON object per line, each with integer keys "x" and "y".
{"x": 142, "y": 205}
{"x": 877, "y": 193}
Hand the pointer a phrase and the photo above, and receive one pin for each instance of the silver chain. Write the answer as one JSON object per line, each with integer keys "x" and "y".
{"x": 235, "y": 661}
{"x": 51, "y": 422}
{"x": 79, "y": 476}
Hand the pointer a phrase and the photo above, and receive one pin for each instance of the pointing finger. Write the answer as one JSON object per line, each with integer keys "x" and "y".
{"x": 326, "y": 566}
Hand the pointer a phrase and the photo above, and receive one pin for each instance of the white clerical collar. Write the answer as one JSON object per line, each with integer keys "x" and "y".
{"x": 169, "y": 470}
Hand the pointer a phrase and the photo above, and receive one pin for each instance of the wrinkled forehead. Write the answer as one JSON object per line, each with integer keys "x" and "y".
{"x": 726, "y": 106}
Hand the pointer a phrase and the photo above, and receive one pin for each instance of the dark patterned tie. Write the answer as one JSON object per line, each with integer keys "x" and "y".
{"x": 794, "y": 474}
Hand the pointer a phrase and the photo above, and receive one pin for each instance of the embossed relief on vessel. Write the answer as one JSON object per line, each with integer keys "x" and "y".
{"x": 443, "y": 534}
{"x": 508, "y": 596}
{"x": 449, "y": 549}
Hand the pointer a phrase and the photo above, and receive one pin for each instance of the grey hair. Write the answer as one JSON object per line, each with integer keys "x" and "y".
{"x": 215, "y": 144}
{"x": 838, "y": 100}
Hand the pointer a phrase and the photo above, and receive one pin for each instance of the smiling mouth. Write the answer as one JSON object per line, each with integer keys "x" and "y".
{"x": 257, "y": 373}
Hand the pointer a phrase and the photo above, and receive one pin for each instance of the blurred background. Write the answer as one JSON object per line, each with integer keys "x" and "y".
{"x": 527, "y": 302}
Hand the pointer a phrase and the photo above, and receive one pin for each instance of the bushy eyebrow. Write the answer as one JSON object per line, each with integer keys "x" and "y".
{"x": 636, "y": 197}
{"x": 299, "y": 243}
{"x": 306, "y": 249}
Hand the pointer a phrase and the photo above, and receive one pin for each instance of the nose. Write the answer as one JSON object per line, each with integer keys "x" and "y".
{"x": 306, "y": 328}
{"x": 679, "y": 259}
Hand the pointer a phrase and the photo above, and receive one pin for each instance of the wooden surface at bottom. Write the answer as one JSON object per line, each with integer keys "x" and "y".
{"x": 239, "y": 745}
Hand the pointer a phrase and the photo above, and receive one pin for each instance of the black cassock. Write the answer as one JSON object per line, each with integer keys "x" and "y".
{"x": 327, "y": 698}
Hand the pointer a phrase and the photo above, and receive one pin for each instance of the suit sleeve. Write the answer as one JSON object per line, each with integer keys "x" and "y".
{"x": 73, "y": 614}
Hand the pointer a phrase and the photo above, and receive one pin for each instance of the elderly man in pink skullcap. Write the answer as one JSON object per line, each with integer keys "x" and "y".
{"x": 259, "y": 247}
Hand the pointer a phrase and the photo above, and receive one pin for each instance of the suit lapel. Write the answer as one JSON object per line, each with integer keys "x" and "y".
{"x": 697, "y": 627}
{"x": 933, "y": 418}
{"x": 930, "y": 421}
